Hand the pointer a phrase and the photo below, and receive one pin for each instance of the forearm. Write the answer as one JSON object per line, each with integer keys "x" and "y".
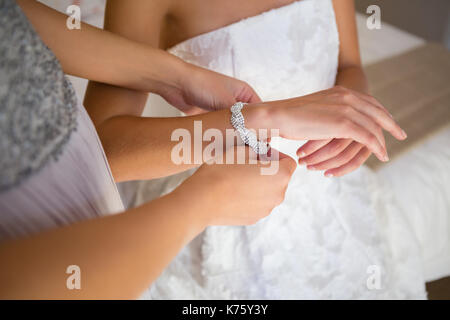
{"x": 119, "y": 255}
{"x": 141, "y": 148}
{"x": 102, "y": 56}
{"x": 354, "y": 78}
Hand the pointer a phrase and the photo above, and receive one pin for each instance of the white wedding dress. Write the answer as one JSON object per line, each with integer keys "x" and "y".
{"x": 330, "y": 238}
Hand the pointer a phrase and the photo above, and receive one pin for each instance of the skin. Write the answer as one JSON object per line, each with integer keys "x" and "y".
{"x": 338, "y": 157}
{"x": 142, "y": 241}
{"x": 164, "y": 23}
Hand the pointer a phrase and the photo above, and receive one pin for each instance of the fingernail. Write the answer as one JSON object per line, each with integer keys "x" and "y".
{"x": 328, "y": 175}
{"x": 302, "y": 154}
{"x": 301, "y": 162}
{"x": 386, "y": 158}
{"x": 311, "y": 168}
{"x": 404, "y": 134}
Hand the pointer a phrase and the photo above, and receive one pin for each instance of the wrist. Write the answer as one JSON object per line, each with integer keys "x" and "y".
{"x": 182, "y": 73}
{"x": 260, "y": 116}
{"x": 165, "y": 72}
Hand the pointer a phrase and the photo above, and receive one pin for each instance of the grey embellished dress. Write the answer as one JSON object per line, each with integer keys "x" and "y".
{"x": 53, "y": 170}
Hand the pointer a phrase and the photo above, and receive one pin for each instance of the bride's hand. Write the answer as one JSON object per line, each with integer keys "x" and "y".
{"x": 199, "y": 90}
{"x": 336, "y": 113}
{"x": 337, "y": 157}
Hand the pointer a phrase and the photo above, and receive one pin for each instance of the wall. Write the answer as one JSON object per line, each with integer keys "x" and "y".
{"x": 429, "y": 19}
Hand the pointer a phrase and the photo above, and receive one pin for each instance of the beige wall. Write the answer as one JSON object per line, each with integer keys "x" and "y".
{"x": 429, "y": 19}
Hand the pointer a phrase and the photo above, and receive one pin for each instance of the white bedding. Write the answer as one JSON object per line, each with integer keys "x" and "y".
{"x": 423, "y": 175}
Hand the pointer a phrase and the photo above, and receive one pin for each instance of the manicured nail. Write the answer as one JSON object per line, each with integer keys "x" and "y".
{"x": 404, "y": 134}
{"x": 328, "y": 175}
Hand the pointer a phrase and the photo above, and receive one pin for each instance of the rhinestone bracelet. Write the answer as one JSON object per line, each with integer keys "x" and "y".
{"x": 247, "y": 136}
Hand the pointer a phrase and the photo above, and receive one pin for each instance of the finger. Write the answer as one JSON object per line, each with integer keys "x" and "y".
{"x": 194, "y": 111}
{"x": 368, "y": 123}
{"x": 283, "y": 168}
{"x": 379, "y": 115}
{"x": 254, "y": 98}
{"x": 272, "y": 155}
{"x": 248, "y": 95}
{"x": 350, "y": 166}
{"x": 243, "y": 154}
{"x": 352, "y": 130}
{"x": 342, "y": 158}
{"x": 329, "y": 151}
{"x": 276, "y": 155}
{"x": 288, "y": 165}
{"x": 372, "y": 100}
{"x": 311, "y": 146}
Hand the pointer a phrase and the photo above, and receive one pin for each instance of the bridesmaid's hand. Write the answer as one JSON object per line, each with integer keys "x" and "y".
{"x": 200, "y": 90}
{"x": 236, "y": 194}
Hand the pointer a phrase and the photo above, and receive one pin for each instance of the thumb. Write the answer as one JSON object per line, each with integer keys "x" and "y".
{"x": 246, "y": 93}
{"x": 191, "y": 111}
{"x": 287, "y": 164}
{"x": 277, "y": 155}
{"x": 254, "y": 98}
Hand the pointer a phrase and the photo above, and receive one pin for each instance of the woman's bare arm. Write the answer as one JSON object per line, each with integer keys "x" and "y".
{"x": 120, "y": 255}
{"x": 140, "y": 21}
{"x": 350, "y": 73}
{"x": 106, "y": 57}
{"x": 127, "y": 139}
{"x": 338, "y": 157}
{"x": 140, "y": 148}
{"x": 99, "y": 55}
